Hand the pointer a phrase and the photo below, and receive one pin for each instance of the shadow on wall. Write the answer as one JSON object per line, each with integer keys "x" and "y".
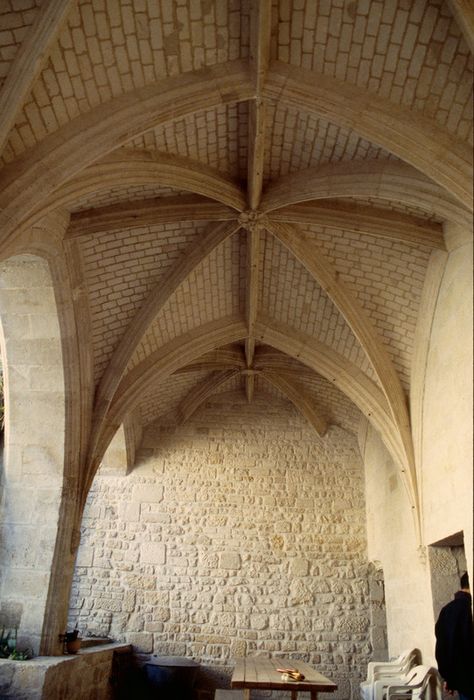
{"x": 378, "y": 615}
{"x": 2, "y": 411}
{"x": 447, "y": 560}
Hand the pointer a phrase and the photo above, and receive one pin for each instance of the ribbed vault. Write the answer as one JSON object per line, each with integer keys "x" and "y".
{"x": 237, "y": 216}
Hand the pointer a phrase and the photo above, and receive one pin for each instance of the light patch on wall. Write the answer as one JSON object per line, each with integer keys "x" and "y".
{"x": 393, "y": 483}
{"x": 152, "y": 553}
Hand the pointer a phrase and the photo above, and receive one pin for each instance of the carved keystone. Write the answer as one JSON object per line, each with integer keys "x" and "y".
{"x": 253, "y": 220}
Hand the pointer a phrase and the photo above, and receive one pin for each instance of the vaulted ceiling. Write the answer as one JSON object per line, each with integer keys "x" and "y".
{"x": 237, "y": 196}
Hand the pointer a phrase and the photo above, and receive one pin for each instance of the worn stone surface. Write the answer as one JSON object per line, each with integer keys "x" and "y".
{"x": 31, "y": 480}
{"x": 264, "y": 532}
{"x": 85, "y": 675}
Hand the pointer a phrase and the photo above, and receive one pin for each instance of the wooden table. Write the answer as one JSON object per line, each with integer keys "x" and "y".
{"x": 260, "y": 672}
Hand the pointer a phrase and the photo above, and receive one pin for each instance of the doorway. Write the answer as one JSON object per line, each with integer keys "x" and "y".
{"x": 447, "y": 561}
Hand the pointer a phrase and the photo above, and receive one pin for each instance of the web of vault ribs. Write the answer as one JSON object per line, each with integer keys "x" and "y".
{"x": 280, "y": 214}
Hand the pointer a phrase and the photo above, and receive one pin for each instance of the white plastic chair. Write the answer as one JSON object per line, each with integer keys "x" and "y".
{"x": 377, "y": 670}
{"x": 432, "y": 687}
{"x": 420, "y": 683}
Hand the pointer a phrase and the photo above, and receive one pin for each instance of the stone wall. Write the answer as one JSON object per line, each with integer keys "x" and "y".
{"x": 392, "y": 541}
{"x": 239, "y": 532}
{"x": 85, "y": 675}
{"x": 447, "y": 441}
{"x": 444, "y": 469}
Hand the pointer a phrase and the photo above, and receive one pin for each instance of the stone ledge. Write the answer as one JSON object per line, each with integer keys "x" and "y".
{"x": 48, "y": 661}
{"x": 32, "y": 679}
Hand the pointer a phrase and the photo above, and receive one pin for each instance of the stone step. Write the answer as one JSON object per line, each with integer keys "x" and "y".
{"x": 229, "y": 694}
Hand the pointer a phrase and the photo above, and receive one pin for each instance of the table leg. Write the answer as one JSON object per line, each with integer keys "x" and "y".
{"x": 246, "y": 693}
{"x": 294, "y": 695}
{"x": 314, "y": 695}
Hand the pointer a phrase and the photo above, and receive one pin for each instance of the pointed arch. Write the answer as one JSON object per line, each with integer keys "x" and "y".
{"x": 322, "y": 271}
{"x": 201, "y": 392}
{"x": 189, "y": 348}
{"x": 26, "y": 182}
{"x": 362, "y": 391}
{"x": 177, "y": 353}
{"x": 387, "y": 179}
{"x": 401, "y": 131}
{"x": 59, "y": 452}
{"x": 298, "y": 397}
{"x": 188, "y": 261}
{"x": 285, "y": 384}
{"x": 129, "y": 167}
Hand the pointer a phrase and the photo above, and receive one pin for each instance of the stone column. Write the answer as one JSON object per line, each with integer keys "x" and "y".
{"x": 32, "y": 478}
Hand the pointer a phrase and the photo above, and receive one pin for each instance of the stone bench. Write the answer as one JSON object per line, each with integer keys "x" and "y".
{"x": 228, "y": 694}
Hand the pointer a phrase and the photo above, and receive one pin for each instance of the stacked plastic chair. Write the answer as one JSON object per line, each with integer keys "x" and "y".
{"x": 379, "y": 670}
{"x": 419, "y": 683}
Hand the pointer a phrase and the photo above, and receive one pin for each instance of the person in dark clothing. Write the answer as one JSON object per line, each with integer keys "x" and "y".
{"x": 455, "y": 643}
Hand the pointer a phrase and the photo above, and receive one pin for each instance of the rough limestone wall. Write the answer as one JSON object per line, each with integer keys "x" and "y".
{"x": 240, "y": 532}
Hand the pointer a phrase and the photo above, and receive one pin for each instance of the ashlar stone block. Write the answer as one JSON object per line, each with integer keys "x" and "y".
{"x": 229, "y": 560}
{"x": 147, "y": 493}
{"x": 161, "y": 614}
{"x": 10, "y": 614}
{"x": 26, "y": 581}
{"x": 40, "y": 460}
{"x": 128, "y": 601}
{"x": 136, "y": 623}
{"x": 238, "y": 648}
{"x": 153, "y": 553}
{"x": 85, "y": 556}
{"x": 111, "y": 604}
{"x": 157, "y": 598}
{"x": 299, "y": 567}
{"x": 259, "y": 622}
{"x": 142, "y": 641}
{"x": 132, "y": 512}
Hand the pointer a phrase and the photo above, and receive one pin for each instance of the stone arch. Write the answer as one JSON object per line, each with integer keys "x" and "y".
{"x": 187, "y": 348}
{"x": 214, "y": 236}
{"x": 92, "y": 136}
{"x": 43, "y": 243}
{"x": 384, "y": 179}
{"x": 162, "y": 363}
{"x": 128, "y": 167}
{"x": 32, "y": 479}
{"x": 361, "y": 390}
{"x": 407, "y": 134}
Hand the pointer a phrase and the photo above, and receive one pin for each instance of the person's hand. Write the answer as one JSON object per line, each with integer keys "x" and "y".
{"x": 447, "y": 690}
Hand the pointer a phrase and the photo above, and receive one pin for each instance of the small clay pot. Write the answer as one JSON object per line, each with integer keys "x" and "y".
{"x": 73, "y": 646}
